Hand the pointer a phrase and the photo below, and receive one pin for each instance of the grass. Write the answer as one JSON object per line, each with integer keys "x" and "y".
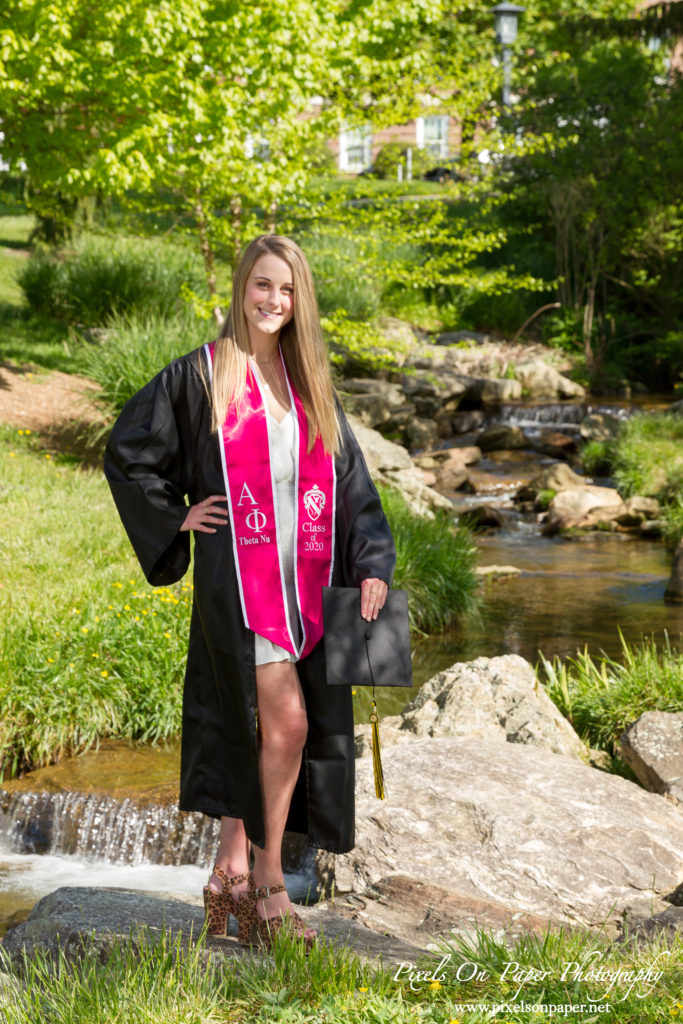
{"x": 646, "y": 458}
{"x": 602, "y": 697}
{"x": 155, "y": 979}
{"x": 435, "y": 563}
{"x": 102, "y": 276}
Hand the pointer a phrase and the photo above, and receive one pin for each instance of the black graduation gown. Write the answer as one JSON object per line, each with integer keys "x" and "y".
{"x": 160, "y": 451}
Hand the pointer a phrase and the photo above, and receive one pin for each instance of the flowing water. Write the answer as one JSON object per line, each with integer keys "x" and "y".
{"x": 110, "y": 817}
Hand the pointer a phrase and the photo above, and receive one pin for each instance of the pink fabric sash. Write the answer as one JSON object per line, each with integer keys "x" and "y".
{"x": 252, "y": 504}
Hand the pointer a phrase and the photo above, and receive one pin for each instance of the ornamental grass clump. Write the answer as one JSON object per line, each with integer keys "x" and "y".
{"x": 601, "y": 697}
{"x": 435, "y": 563}
{"x": 102, "y": 276}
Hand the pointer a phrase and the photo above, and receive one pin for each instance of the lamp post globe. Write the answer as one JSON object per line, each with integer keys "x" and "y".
{"x": 506, "y": 19}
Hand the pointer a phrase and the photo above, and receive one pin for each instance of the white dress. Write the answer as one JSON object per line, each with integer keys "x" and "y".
{"x": 283, "y": 456}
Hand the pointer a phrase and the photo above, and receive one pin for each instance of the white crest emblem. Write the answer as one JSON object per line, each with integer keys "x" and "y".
{"x": 314, "y": 502}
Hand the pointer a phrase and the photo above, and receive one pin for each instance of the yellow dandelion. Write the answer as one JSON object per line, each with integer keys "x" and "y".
{"x": 168, "y": 636}
{"x": 71, "y": 665}
{"x": 119, "y": 585}
{"x": 362, "y": 989}
{"x": 132, "y": 582}
{"x": 144, "y": 611}
{"x": 95, "y": 655}
{"x": 118, "y": 615}
{"x": 47, "y": 455}
{"x": 57, "y": 633}
{"x": 353, "y": 692}
{"x": 104, "y": 672}
{"x": 84, "y": 629}
{"x": 27, "y": 431}
{"x": 436, "y": 984}
{"x": 12, "y": 455}
{"x": 126, "y": 607}
{"x": 153, "y": 613}
{"x": 51, "y": 661}
{"x": 110, "y": 607}
{"x": 20, "y": 432}
{"x": 97, "y": 618}
{"x": 137, "y": 618}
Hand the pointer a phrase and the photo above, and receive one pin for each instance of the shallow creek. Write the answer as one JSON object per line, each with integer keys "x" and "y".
{"x": 108, "y": 818}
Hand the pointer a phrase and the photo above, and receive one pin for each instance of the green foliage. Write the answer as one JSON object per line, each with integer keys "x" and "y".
{"x": 104, "y": 276}
{"x": 150, "y": 978}
{"x": 434, "y": 563}
{"x": 393, "y": 154}
{"x": 135, "y": 349}
{"x": 543, "y": 499}
{"x": 602, "y": 697}
{"x": 597, "y": 458}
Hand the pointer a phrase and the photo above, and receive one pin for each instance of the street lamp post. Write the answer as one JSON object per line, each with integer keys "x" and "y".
{"x": 506, "y": 16}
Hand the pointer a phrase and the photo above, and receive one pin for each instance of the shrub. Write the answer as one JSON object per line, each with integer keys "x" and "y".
{"x": 434, "y": 563}
{"x": 602, "y": 697}
{"x": 136, "y": 348}
{"x": 104, "y": 276}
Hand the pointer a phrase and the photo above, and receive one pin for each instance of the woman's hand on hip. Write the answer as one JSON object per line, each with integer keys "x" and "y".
{"x": 204, "y": 513}
{"x": 373, "y": 594}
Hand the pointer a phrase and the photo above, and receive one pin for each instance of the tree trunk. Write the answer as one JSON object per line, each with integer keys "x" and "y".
{"x": 674, "y": 589}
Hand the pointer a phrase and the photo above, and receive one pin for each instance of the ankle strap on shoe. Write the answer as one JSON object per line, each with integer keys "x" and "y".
{"x": 264, "y": 891}
{"x": 228, "y": 882}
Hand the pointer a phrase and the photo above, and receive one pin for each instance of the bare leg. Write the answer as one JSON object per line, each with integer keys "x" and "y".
{"x": 233, "y": 854}
{"x": 283, "y": 727}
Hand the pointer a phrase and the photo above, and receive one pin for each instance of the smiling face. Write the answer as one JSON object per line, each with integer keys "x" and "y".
{"x": 268, "y": 299}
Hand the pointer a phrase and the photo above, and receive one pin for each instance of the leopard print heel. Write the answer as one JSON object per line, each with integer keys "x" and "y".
{"x": 219, "y": 905}
{"x": 263, "y": 929}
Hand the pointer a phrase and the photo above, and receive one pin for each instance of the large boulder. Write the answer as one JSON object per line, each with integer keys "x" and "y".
{"x": 583, "y": 506}
{"x": 537, "y": 832}
{"x": 540, "y": 380}
{"x": 391, "y": 464}
{"x": 599, "y": 426}
{"x": 653, "y": 746}
{"x": 78, "y": 922}
{"x": 493, "y": 698}
{"x": 501, "y": 436}
{"x": 558, "y": 477}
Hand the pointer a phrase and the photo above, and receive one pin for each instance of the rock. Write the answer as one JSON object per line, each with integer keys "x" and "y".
{"x": 398, "y": 331}
{"x": 676, "y": 407}
{"x": 436, "y": 392}
{"x": 78, "y": 920}
{"x": 674, "y": 588}
{"x": 553, "y": 442}
{"x": 668, "y": 922}
{"x": 653, "y": 747}
{"x": 494, "y": 390}
{"x": 652, "y": 529}
{"x": 390, "y": 463}
{"x": 380, "y": 454}
{"x": 417, "y": 911}
{"x": 555, "y": 478}
{"x": 466, "y": 420}
{"x": 599, "y": 426}
{"x": 582, "y": 506}
{"x": 455, "y": 337}
{"x": 494, "y": 698}
{"x": 537, "y": 832}
{"x": 421, "y": 433}
{"x": 648, "y": 508}
{"x": 500, "y": 436}
{"x": 371, "y": 409}
{"x": 497, "y": 570}
{"x": 540, "y": 380}
{"x": 451, "y": 478}
{"x": 482, "y": 517}
{"x": 460, "y": 457}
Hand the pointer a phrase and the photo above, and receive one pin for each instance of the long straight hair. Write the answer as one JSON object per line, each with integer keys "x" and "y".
{"x": 301, "y": 341}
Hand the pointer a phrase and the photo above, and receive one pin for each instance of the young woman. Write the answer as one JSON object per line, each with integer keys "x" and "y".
{"x": 281, "y": 504}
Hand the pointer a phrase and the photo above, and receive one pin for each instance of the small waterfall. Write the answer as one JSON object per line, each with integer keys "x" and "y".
{"x": 565, "y": 417}
{"x": 96, "y": 826}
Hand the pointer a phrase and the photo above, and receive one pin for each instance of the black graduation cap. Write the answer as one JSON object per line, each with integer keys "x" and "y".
{"x": 362, "y": 653}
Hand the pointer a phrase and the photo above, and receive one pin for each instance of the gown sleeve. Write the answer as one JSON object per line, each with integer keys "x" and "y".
{"x": 366, "y": 546}
{"x": 148, "y": 465}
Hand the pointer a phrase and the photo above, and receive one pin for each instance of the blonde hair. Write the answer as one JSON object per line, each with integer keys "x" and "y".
{"x": 301, "y": 341}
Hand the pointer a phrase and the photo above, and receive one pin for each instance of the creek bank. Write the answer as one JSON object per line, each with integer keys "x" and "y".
{"x": 489, "y": 798}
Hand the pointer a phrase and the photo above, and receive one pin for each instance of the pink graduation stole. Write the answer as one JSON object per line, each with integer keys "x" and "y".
{"x": 252, "y": 505}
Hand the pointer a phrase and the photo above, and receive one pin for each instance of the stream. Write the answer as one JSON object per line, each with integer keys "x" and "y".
{"x": 109, "y": 818}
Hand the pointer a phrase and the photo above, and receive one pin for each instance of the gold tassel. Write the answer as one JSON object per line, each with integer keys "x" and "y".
{"x": 376, "y": 754}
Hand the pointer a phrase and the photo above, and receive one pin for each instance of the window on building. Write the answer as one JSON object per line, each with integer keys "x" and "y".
{"x": 432, "y": 135}
{"x": 355, "y": 148}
